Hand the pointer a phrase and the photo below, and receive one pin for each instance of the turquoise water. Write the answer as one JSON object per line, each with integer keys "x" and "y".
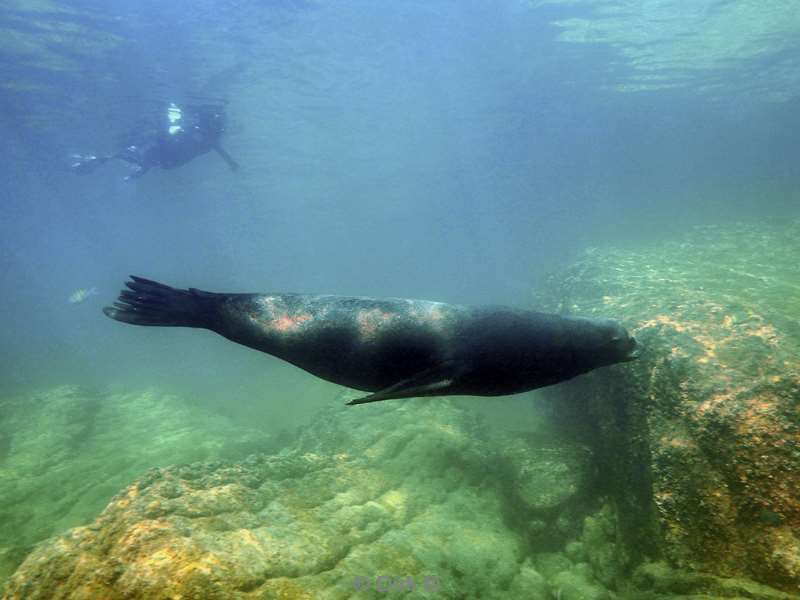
{"x": 453, "y": 151}
{"x": 457, "y": 151}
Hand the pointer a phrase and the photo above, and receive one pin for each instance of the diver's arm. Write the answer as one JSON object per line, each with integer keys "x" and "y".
{"x": 234, "y": 166}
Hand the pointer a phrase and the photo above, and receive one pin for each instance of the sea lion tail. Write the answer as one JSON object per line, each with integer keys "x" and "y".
{"x": 151, "y": 303}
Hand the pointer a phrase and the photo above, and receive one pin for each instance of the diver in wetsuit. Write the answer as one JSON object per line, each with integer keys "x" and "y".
{"x": 186, "y": 134}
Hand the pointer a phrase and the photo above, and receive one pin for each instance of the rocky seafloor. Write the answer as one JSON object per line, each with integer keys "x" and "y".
{"x": 700, "y": 438}
{"x": 64, "y": 452}
{"x": 401, "y": 498}
{"x": 672, "y": 477}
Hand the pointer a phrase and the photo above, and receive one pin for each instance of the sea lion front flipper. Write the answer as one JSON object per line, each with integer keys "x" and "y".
{"x": 437, "y": 379}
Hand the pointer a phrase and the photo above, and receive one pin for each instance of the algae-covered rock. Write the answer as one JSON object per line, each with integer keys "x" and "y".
{"x": 66, "y": 451}
{"x": 550, "y": 564}
{"x": 548, "y": 484}
{"x": 698, "y": 441}
{"x": 659, "y": 578}
{"x": 599, "y": 541}
{"x": 407, "y": 499}
{"x": 367, "y": 503}
{"x": 576, "y": 584}
{"x": 547, "y": 475}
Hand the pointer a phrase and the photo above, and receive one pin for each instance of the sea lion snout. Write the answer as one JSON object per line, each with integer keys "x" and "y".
{"x": 622, "y": 346}
{"x": 604, "y": 342}
{"x": 634, "y": 350}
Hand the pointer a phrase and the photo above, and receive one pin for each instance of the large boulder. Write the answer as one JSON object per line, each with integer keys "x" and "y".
{"x": 66, "y": 451}
{"x": 698, "y": 442}
{"x": 367, "y": 502}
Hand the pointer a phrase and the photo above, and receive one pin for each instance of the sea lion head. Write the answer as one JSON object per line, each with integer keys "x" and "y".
{"x": 600, "y": 342}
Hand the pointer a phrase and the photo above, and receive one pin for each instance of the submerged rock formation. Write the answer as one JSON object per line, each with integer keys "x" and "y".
{"x": 400, "y": 496}
{"x": 66, "y": 451}
{"x": 405, "y": 499}
{"x": 698, "y": 440}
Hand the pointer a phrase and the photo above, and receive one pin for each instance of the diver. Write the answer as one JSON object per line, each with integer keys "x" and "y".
{"x": 185, "y": 134}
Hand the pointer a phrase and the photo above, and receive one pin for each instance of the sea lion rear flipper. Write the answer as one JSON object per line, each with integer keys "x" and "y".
{"x": 148, "y": 302}
{"x": 426, "y": 383}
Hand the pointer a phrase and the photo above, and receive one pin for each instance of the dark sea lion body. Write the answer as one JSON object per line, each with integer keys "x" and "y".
{"x": 396, "y": 348}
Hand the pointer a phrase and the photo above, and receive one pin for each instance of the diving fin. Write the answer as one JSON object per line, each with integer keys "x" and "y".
{"x": 87, "y": 163}
{"x": 232, "y": 164}
{"x": 426, "y": 383}
{"x": 147, "y": 302}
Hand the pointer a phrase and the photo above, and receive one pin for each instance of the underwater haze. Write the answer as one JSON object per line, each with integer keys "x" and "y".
{"x": 452, "y": 150}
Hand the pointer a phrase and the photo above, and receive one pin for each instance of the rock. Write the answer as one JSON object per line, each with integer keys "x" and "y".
{"x": 547, "y": 474}
{"x": 366, "y": 500}
{"x": 403, "y": 498}
{"x": 697, "y": 441}
{"x": 576, "y": 552}
{"x": 551, "y": 564}
{"x": 548, "y": 485}
{"x": 66, "y": 451}
{"x": 529, "y": 584}
{"x": 576, "y": 585}
{"x": 600, "y": 544}
{"x": 666, "y": 581}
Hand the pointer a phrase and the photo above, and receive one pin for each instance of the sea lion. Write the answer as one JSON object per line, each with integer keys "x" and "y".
{"x": 393, "y": 347}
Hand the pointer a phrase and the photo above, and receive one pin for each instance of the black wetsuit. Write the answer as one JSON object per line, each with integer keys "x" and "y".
{"x": 186, "y": 134}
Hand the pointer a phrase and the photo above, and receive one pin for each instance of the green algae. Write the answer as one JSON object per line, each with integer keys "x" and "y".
{"x": 65, "y": 452}
{"x": 391, "y": 495}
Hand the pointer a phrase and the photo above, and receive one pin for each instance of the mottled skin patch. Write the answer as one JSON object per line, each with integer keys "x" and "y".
{"x": 370, "y": 321}
{"x": 364, "y": 343}
{"x": 274, "y": 315}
